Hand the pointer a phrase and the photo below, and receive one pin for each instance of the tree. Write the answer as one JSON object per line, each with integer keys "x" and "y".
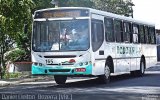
{"x": 41, "y": 4}
{"x": 14, "y": 14}
{"x": 122, "y": 7}
{"x": 75, "y": 3}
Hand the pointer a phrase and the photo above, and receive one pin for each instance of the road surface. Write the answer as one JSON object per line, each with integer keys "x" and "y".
{"x": 123, "y": 87}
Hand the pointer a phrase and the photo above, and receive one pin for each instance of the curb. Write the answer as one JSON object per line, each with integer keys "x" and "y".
{"x": 9, "y": 83}
{"x": 4, "y": 84}
{"x": 158, "y": 63}
{"x": 17, "y": 82}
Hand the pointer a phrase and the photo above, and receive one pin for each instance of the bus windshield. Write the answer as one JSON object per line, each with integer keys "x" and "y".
{"x": 60, "y": 35}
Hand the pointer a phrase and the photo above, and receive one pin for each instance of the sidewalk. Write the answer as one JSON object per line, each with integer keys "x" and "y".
{"x": 158, "y": 63}
{"x": 8, "y": 82}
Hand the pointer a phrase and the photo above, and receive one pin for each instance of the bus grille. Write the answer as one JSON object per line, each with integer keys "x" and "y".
{"x": 62, "y": 64}
{"x": 61, "y": 56}
{"x": 59, "y": 70}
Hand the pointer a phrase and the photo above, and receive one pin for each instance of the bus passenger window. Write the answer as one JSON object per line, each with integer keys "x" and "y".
{"x": 152, "y": 35}
{"x": 135, "y": 33}
{"x": 142, "y": 35}
{"x": 109, "y": 30}
{"x": 126, "y": 32}
{"x": 146, "y": 34}
{"x": 118, "y": 30}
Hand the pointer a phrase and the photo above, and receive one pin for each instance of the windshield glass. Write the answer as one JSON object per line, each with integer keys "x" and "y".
{"x": 66, "y": 35}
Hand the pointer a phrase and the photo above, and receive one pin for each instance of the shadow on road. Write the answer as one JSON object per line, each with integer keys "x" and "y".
{"x": 122, "y": 87}
{"x": 149, "y": 79}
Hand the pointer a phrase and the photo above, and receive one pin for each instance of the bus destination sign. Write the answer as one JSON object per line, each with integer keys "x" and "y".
{"x": 61, "y": 13}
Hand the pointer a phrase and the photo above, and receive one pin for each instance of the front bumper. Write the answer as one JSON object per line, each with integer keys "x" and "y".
{"x": 60, "y": 70}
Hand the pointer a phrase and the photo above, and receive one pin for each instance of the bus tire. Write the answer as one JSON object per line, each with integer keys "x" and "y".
{"x": 60, "y": 79}
{"x": 140, "y": 72}
{"x": 142, "y": 68}
{"x": 105, "y": 79}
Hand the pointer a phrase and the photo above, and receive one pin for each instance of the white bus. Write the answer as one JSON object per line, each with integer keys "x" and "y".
{"x": 78, "y": 41}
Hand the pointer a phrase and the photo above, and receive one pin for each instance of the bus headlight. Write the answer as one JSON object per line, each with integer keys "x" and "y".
{"x": 80, "y": 64}
{"x": 38, "y": 64}
{"x": 84, "y": 63}
{"x": 35, "y": 63}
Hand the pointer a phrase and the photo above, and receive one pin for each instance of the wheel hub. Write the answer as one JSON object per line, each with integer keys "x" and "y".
{"x": 107, "y": 72}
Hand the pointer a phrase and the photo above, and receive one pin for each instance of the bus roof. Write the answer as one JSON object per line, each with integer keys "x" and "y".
{"x": 103, "y": 13}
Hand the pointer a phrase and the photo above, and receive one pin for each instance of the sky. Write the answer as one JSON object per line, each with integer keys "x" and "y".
{"x": 148, "y": 11}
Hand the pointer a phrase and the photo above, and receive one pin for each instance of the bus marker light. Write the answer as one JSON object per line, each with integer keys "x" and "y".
{"x": 80, "y": 69}
{"x": 86, "y": 63}
{"x": 80, "y": 64}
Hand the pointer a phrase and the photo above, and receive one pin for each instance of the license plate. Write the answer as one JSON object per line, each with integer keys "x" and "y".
{"x": 80, "y": 69}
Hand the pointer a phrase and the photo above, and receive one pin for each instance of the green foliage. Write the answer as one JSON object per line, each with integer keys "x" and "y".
{"x": 122, "y": 7}
{"x": 14, "y": 55}
{"x": 13, "y": 15}
{"x": 75, "y": 3}
{"x": 11, "y": 75}
{"x": 41, "y": 4}
{"x": 16, "y": 13}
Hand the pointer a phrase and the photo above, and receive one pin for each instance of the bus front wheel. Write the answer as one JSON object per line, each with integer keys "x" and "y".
{"x": 60, "y": 79}
{"x": 106, "y": 77}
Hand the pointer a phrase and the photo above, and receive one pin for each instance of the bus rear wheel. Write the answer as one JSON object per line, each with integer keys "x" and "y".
{"x": 141, "y": 71}
{"x": 142, "y": 68}
{"x": 60, "y": 79}
{"x": 104, "y": 79}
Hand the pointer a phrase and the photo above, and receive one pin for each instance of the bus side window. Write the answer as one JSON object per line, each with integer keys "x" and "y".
{"x": 135, "y": 33}
{"x": 97, "y": 31}
{"x": 127, "y": 32}
{"x": 146, "y": 34}
{"x": 152, "y": 35}
{"x": 142, "y": 35}
{"x": 109, "y": 30}
{"x": 118, "y": 30}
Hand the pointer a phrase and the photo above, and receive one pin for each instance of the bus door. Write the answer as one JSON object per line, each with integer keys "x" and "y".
{"x": 97, "y": 42}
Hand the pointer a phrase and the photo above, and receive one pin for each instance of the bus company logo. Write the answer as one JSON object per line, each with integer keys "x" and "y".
{"x": 125, "y": 50}
{"x": 65, "y": 62}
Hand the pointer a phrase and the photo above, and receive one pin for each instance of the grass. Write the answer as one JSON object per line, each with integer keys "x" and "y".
{"x": 11, "y": 75}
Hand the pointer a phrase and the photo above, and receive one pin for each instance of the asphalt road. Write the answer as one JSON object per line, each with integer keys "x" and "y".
{"x": 123, "y": 87}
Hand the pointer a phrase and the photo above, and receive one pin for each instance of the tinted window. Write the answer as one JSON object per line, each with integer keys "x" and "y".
{"x": 118, "y": 30}
{"x": 135, "y": 33}
{"x": 142, "y": 35}
{"x": 152, "y": 35}
{"x": 146, "y": 34}
{"x": 61, "y": 35}
{"x": 109, "y": 32}
{"x": 97, "y": 33}
{"x": 126, "y": 31}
